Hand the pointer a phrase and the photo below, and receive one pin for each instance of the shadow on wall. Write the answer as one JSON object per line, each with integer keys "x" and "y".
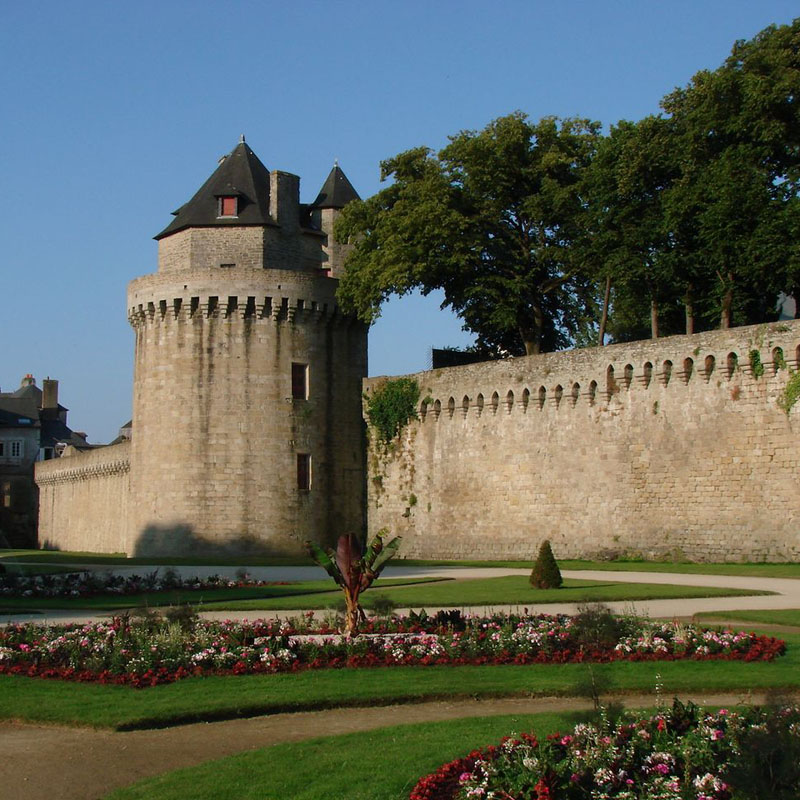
{"x": 181, "y": 540}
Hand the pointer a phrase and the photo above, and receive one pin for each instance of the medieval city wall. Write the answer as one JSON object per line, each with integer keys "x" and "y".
{"x": 83, "y": 499}
{"x": 672, "y": 447}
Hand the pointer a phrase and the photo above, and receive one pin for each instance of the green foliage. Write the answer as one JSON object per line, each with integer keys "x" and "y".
{"x": 791, "y": 393}
{"x": 595, "y": 626}
{"x": 489, "y": 220}
{"x": 779, "y": 360}
{"x": 353, "y": 570}
{"x": 756, "y": 365}
{"x": 391, "y": 405}
{"x": 545, "y": 573}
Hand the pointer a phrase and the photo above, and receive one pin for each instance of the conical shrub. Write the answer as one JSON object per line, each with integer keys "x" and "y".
{"x": 545, "y": 573}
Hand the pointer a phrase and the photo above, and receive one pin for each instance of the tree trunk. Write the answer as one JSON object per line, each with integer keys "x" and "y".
{"x": 530, "y": 330}
{"x": 653, "y": 319}
{"x": 689, "y": 305}
{"x": 604, "y": 318}
{"x": 354, "y": 614}
{"x": 726, "y": 314}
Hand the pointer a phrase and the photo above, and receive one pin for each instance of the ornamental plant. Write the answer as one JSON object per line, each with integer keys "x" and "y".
{"x": 678, "y": 754}
{"x": 545, "y": 573}
{"x": 353, "y": 571}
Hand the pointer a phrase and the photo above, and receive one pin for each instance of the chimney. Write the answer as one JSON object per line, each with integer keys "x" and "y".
{"x": 49, "y": 393}
{"x": 284, "y": 199}
{"x": 28, "y": 380}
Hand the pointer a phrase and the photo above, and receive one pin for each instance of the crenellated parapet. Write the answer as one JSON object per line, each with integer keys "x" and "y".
{"x": 271, "y": 295}
{"x": 599, "y": 377}
{"x": 85, "y": 465}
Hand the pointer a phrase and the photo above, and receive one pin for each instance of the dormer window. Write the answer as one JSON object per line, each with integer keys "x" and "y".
{"x": 228, "y": 206}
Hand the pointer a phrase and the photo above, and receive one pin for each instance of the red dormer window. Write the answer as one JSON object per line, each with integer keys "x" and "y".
{"x": 228, "y": 206}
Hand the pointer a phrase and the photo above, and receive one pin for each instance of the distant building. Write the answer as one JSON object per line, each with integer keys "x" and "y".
{"x": 33, "y": 427}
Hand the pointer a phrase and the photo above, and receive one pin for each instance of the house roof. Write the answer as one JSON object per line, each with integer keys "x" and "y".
{"x": 336, "y": 192}
{"x": 239, "y": 174}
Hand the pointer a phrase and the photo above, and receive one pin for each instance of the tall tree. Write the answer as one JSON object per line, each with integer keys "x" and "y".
{"x": 737, "y": 130}
{"x": 490, "y": 220}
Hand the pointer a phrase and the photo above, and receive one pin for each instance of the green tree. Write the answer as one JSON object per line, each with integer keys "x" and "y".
{"x": 737, "y": 133}
{"x": 545, "y": 573}
{"x": 491, "y": 221}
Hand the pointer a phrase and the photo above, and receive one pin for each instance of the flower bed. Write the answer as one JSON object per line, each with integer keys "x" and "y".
{"x": 681, "y": 753}
{"x": 87, "y": 584}
{"x": 155, "y": 651}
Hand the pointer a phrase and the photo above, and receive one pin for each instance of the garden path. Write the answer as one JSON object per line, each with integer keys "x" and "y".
{"x": 786, "y": 591}
{"x": 45, "y": 762}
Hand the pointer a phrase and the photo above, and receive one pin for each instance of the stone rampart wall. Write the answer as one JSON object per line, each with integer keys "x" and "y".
{"x": 83, "y": 500}
{"x": 676, "y": 446}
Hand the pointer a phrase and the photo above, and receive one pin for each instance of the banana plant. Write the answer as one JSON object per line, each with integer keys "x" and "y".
{"x": 353, "y": 570}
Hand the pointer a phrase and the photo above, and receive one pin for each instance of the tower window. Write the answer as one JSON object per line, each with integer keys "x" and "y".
{"x": 299, "y": 381}
{"x": 304, "y": 472}
{"x": 228, "y": 206}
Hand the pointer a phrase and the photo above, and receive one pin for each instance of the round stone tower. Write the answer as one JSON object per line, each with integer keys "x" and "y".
{"x": 247, "y": 426}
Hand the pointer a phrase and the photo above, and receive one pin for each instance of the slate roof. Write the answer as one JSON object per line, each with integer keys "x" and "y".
{"x": 239, "y": 173}
{"x": 336, "y": 192}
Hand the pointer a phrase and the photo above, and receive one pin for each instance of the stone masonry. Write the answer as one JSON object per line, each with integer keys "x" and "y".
{"x": 663, "y": 448}
{"x": 247, "y": 430}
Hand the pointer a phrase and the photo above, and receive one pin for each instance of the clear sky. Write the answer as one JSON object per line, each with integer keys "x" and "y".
{"x": 113, "y": 114}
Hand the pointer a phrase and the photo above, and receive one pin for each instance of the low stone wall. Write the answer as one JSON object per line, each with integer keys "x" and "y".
{"x": 83, "y": 500}
{"x": 672, "y": 447}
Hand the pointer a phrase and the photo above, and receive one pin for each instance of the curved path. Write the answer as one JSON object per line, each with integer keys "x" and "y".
{"x": 46, "y": 762}
{"x": 786, "y": 591}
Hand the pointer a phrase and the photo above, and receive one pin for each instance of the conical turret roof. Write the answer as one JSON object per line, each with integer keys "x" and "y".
{"x": 336, "y": 192}
{"x": 240, "y": 174}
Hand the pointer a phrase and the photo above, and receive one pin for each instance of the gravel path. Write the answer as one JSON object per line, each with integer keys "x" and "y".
{"x": 58, "y": 763}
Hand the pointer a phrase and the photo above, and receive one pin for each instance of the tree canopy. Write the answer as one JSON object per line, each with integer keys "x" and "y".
{"x": 490, "y": 220}
{"x": 686, "y": 219}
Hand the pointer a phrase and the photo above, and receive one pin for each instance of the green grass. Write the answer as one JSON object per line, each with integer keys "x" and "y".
{"x": 403, "y": 592}
{"x": 772, "y": 570}
{"x": 509, "y": 590}
{"x": 228, "y": 697}
{"x": 313, "y": 594}
{"x": 788, "y": 616}
{"x": 382, "y": 764}
{"x": 755, "y": 570}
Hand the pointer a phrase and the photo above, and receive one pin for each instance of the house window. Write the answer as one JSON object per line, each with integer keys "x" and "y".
{"x": 299, "y": 381}
{"x": 304, "y": 472}
{"x": 228, "y": 206}
{"x": 6, "y": 494}
{"x": 11, "y": 450}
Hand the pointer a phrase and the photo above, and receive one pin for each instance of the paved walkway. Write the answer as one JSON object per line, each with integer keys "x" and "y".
{"x": 47, "y": 762}
{"x": 786, "y": 591}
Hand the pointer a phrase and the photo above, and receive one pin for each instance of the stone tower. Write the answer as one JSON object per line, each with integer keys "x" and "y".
{"x": 247, "y": 426}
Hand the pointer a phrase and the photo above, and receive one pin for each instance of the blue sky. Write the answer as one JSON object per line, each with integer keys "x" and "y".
{"x": 114, "y": 114}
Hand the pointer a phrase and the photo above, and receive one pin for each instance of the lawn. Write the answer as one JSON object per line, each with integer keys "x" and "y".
{"x": 765, "y": 570}
{"x": 788, "y": 616}
{"x": 388, "y": 763}
{"x": 402, "y": 592}
{"x": 229, "y": 697}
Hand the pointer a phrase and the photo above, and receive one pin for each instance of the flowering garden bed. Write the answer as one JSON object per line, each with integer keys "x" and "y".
{"x": 149, "y": 652}
{"x": 681, "y": 753}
